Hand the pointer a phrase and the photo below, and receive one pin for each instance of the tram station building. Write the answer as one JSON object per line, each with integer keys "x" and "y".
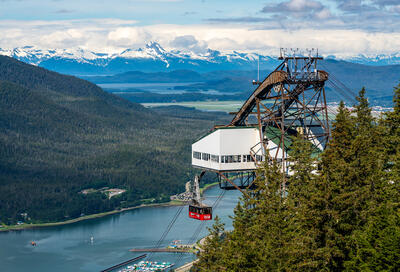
{"x": 228, "y": 149}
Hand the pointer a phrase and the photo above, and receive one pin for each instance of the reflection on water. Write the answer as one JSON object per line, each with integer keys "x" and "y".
{"x": 70, "y": 247}
{"x": 164, "y": 88}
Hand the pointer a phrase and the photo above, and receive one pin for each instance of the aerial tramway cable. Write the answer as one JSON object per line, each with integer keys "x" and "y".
{"x": 167, "y": 230}
{"x": 341, "y": 92}
{"x": 342, "y": 84}
{"x": 199, "y": 228}
{"x": 172, "y": 222}
{"x": 201, "y": 225}
{"x": 340, "y": 88}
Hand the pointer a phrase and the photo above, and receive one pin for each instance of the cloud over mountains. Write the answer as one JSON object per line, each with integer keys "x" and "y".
{"x": 337, "y": 27}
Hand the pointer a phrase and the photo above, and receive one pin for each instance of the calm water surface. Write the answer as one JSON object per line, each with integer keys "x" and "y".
{"x": 160, "y": 88}
{"x": 69, "y": 248}
{"x": 163, "y": 88}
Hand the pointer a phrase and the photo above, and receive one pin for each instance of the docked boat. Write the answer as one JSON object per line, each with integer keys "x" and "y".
{"x": 147, "y": 266}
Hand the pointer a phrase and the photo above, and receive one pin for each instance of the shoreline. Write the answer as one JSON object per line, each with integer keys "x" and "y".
{"x": 208, "y": 186}
{"x": 99, "y": 215}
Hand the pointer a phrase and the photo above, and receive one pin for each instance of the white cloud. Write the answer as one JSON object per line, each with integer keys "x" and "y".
{"x": 323, "y": 14}
{"x": 339, "y": 42}
{"x": 128, "y": 37}
{"x": 303, "y": 5}
{"x": 110, "y": 35}
{"x": 88, "y": 33}
{"x": 189, "y": 42}
{"x": 396, "y": 9}
{"x": 297, "y": 8}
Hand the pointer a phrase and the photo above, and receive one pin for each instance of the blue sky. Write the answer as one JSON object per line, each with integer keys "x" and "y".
{"x": 146, "y": 12}
{"x": 335, "y": 26}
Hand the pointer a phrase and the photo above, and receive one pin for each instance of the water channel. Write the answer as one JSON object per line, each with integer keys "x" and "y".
{"x": 70, "y": 247}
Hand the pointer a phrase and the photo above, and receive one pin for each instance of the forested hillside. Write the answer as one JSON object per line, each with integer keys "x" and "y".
{"x": 338, "y": 213}
{"x": 60, "y": 135}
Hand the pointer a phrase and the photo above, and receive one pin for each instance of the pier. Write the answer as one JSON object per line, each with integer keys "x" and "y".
{"x": 124, "y": 263}
{"x": 176, "y": 250}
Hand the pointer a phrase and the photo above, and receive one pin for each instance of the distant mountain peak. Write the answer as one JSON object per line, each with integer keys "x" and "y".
{"x": 156, "y": 46}
{"x": 154, "y": 57}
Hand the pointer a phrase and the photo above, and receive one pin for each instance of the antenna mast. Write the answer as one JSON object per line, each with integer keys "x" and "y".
{"x": 258, "y": 82}
{"x": 258, "y": 71}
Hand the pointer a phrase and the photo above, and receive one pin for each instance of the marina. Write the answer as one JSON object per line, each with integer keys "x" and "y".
{"x": 147, "y": 266}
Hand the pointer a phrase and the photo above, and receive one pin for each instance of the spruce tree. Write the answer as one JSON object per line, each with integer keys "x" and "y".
{"x": 353, "y": 167}
{"x": 260, "y": 236}
{"x": 306, "y": 208}
{"x": 392, "y": 123}
{"x": 210, "y": 256}
{"x": 337, "y": 184}
{"x": 392, "y": 143}
{"x": 376, "y": 245}
{"x": 272, "y": 229}
{"x": 340, "y": 216}
{"x": 240, "y": 252}
{"x": 261, "y": 233}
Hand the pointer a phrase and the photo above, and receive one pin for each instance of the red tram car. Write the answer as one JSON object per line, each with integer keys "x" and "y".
{"x": 200, "y": 213}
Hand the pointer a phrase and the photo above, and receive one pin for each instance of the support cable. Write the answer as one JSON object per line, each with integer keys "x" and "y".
{"x": 167, "y": 230}
{"x": 201, "y": 225}
{"x": 340, "y": 92}
{"x": 340, "y": 87}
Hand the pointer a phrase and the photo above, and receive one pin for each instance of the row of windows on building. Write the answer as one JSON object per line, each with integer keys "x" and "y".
{"x": 226, "y": 158}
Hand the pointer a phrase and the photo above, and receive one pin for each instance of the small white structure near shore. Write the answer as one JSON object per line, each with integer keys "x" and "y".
{"x": 228, "y": 149}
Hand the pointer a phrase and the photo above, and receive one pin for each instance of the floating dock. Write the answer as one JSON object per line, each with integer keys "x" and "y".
{"x": 124, "y": 263}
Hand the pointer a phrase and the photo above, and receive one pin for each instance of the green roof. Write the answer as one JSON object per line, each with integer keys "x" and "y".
{"x": 274, "y": 134}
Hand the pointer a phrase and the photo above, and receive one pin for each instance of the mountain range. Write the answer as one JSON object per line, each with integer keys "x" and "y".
{"x": 212, "y": 70}
{"x": 346, "y": 80}
{"x": 154, "y": 58}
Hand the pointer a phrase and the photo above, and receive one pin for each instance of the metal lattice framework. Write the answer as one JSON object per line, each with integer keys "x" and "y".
{"x": 289, "y": 101}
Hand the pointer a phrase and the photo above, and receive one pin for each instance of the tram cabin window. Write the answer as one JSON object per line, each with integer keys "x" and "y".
{"x": 200, "y": 210}
{"x": 231, "y": 159}
{"x": 250, "y": 158}
{"x": 197, "y": 155}
{"x": 205, "y": 156}
{"x": 214, "y": 158}
{"x": 238, "y": 158}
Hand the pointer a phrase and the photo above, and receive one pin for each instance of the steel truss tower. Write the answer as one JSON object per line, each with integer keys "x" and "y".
{"x": 289, "y": 101}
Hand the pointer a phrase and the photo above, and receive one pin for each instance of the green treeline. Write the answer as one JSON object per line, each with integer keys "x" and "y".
{"x": 339, "y": 213}
{"x": 60, "y": 135}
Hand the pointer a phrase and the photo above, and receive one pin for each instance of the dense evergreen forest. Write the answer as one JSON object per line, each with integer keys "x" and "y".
{"x": 338, "y": 213}
{"x": 60, "y": 135}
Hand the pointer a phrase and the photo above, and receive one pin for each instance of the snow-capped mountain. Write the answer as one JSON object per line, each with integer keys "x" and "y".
{"x": 35, "y": 56}
{"x": 380, "y": 59}
{"x": 153, "y": 57}
{"x": 373, "y": 60}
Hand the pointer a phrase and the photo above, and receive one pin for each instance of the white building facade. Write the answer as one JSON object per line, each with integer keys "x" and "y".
{"x": 228, "y": 149}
